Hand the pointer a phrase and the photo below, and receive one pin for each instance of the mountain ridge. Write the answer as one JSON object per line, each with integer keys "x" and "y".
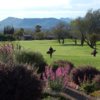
{"x": 46, "y": 23}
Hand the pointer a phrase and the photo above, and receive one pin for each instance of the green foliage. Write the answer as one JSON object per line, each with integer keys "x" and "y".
{"x": 93, "y": 39}
{"x": 54, "y": 67}
{"x": 33, "y": 58}
{"x": 61, "y": 31}
{"x": 9, "y": 30}
{"x": 88, "y": 87}
{"x": 88, "y": 78}
{"x": 37, "y": 28}
{"x": 87, "y": 26}
{"x": 19, "y": 33}
{"x": 95, "y": 94}
{"x": 56, "y": 84}
{"x": 6, "y": 37}
{"x": 39, "y": 35}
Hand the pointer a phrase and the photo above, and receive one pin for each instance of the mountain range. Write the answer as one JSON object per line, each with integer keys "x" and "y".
{"x": 30, "y": 23}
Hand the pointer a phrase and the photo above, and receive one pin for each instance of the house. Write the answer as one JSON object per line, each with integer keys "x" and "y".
{"x": 27, "y": 37}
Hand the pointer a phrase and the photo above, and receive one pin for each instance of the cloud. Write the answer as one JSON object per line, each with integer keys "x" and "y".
{"x": 25, "y": 4}
{"x": 46, "y": 8}
{"x": 85, "y": 4}
{"x": 31, "y": 8}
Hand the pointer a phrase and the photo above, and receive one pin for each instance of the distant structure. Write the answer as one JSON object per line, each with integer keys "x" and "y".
{"x": 27, "y": 37}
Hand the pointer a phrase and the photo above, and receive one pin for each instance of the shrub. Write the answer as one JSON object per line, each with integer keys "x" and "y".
{"x": 87, "y": 78}
{"x": 7, "y": 53}
{"x": 82, "y": 74}
{"x": 96, "y": 80}
{"x": 19, "y": 83}
{"x": 32, "y": 58}
{"x": 55, "y": 67}
{"x": 62, "y": 63}
{"x": 90, "y": 87}
{"x": 57, "y": 76}
{"x": 96, "y": 94}
{"x": 87, "y": 87}
{"x": 57, "y": 84}
{"x": 6, "y": 37}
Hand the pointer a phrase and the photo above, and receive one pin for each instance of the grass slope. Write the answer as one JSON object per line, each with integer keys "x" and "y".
{"x": 76, "y": 54}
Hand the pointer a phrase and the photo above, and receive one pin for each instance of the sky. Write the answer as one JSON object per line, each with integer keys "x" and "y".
{"x": 46, "y": 8}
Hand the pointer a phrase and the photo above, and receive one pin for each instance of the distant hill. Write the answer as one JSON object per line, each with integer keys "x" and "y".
{"x": 30, "y": 23}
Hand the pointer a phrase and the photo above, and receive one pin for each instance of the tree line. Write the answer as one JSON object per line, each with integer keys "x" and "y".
{"x": 86, "y": 29}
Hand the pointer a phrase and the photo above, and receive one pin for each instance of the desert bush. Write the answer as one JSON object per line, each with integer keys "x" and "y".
{"x": 33, "y": 58}
{"x": 19, "y": 83}
{"x": 82, "y": 74}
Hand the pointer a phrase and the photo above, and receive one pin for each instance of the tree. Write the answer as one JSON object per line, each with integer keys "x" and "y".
{"x": 89, "y": 27}
{"x": 61, "y": 31}
{"x": 74, "y": 32}
{"x": 19, "y": 33}
{"x": 37, "y": 28}
{"x": 39, "y": 35}
{"x": 79, "y": 26}
{"x": 92, "y": 20}
{"x": 9, "y": 30}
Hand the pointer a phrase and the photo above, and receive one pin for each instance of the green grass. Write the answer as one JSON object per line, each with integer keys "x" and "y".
{"x": 78, "y": 55}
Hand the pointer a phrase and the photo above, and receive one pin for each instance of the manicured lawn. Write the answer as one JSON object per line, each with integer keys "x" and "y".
{"x": 78, "y": 55}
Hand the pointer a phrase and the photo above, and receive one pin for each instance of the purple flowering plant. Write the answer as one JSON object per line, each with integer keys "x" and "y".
{"x": 57, "y": 78}
{"x": 6, "y": 52}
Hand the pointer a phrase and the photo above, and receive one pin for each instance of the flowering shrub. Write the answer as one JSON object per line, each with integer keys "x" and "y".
{"x": 87, "y": 78}
{"x": 96, "y": 80}
{"x": 58, "y": 78}
{"x": 82, "y": 74}
{"x": 89, "y": 87}
{"x": 63, "y": 63}
{"x": 7, "y": 53}
{"x": 13, "y": 54}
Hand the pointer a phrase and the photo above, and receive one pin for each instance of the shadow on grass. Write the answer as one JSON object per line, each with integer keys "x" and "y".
{"x": 75, "y": 45}
{"x": 70, "y": 45}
